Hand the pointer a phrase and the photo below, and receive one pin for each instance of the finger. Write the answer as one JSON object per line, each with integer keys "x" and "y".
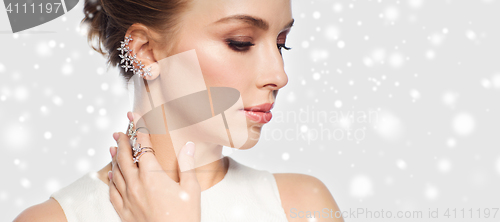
{"x": 147, "y": 161}
{"x": 115, "y": 197}
{"x": 112, "y": 151}
{"x": 130, "y": 116}
{"x": 117, "y": 178}
{"x": 130, "y": 119}
{"x": 186, "y": 164}
{"x": 124, "y": 157}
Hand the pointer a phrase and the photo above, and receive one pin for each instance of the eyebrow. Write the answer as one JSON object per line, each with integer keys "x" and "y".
{"x": 254, "y": 21}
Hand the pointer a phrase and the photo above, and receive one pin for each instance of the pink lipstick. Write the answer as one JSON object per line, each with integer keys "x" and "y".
{"x": 260, "y": 113}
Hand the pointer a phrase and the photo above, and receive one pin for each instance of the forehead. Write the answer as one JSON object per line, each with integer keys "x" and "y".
{"x": 275, "y": 13}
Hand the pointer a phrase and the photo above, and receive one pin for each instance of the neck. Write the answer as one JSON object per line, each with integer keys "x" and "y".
{"x": 210, "y": 166}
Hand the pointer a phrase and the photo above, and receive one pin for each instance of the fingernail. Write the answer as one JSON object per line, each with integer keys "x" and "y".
{"x": 189, "y": 149}
{"x": 110, "y": 175}
{"x": 112, "y": 151}
{"x": 115, "y": 136}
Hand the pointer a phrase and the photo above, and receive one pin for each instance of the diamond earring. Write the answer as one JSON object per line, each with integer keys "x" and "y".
{"x": 129, "y": 60}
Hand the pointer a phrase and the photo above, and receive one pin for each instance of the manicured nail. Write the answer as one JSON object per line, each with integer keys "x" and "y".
{"x": 110, "y": 175}
{"x": 112, "y": 151}
{"x": 116, "y": 136}
{"x": 189, "y": 149}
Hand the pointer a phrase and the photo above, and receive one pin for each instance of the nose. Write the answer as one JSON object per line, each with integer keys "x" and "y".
{"x": 272, "y": 72}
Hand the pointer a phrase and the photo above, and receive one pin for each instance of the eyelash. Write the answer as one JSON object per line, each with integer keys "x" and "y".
{"x": 236, "y": 46}
{"x": 283, "y": 46}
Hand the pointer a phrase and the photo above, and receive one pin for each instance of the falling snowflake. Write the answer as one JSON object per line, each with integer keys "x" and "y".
{"x": 361, "y": 186}
{"x": 463, "y": 124}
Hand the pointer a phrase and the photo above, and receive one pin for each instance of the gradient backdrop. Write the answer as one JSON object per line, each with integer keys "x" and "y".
{"x": 392, "y": 104}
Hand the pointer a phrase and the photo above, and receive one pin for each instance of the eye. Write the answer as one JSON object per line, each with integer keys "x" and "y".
{"x": 239, "y": 46}
{"x": 281, "y": 40}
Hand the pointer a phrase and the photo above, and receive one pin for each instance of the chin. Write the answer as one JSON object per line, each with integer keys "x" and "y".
{"x": 253, "y": 136}
{"x": 244, "y": 134}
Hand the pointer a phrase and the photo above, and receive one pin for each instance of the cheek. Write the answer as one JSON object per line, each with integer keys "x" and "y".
{"x": 220, "y": 67}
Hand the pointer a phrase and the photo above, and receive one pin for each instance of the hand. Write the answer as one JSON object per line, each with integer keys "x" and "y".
{"x": 144, "y": 192}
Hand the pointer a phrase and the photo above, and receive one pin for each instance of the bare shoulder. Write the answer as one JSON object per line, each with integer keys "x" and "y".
{"x": 304, "y": 197}
{"x": 49, "y": 210}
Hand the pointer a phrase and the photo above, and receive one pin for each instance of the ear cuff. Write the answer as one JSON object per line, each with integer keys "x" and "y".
{"x": 128, "y": 60}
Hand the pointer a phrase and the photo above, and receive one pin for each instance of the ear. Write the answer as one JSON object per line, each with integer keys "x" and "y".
{"x": 141, "y": 48}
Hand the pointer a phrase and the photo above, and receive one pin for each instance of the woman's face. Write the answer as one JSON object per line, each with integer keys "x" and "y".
{"x": 238, "y": 44}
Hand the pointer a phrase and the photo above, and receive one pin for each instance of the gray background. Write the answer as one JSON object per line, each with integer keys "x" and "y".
{"x": 425, "y": 74}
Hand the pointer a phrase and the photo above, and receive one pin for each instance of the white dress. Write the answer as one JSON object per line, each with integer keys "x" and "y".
{"x": 244, "y": 194}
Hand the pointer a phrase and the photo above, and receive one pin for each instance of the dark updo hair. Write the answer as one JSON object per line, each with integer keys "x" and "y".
{"x": 109, "y": 20}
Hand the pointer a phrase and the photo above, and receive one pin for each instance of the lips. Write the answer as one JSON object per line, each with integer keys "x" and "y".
{"x": 260, "y": 113}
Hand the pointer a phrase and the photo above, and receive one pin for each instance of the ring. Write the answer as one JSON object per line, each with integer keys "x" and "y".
{"x": 136, "y": 158}
{"x": 140, "y": 149}
{"x": 136, "y": 148}
{"x": 142, "y": 127}
{"x": 132, "y": 132}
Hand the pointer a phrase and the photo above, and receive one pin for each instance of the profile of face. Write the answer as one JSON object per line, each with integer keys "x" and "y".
{"x": 238, "y": 44}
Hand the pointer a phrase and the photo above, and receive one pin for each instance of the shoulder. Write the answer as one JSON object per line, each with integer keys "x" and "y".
{"x": 303, "y": 188}
{"x": 46, "y": 211}
{"x": 51, "y": 209}
{"x": 304, "y": 196}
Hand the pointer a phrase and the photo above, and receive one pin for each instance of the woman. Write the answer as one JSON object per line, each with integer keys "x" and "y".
{"x": 238, "y": 45}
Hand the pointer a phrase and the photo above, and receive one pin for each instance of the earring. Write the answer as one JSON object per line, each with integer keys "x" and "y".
{"x": 129, "y": 60}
